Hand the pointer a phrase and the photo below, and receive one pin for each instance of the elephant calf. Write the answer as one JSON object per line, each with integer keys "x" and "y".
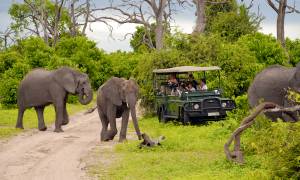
{"x": 40, "y": 88}
{"x": 116, "y": 98}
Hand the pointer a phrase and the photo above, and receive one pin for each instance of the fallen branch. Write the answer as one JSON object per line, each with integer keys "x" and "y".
{"x": 237, "y": 155}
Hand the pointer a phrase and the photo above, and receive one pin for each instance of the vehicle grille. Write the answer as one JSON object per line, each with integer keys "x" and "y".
{"x": 211, "y": 103}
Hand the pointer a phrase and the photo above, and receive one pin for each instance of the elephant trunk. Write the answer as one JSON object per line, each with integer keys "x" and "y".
{"x": 85, "y": 97}
{"x": 135, "y": 121}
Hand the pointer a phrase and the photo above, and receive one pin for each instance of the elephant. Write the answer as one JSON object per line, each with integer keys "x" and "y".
{"x": 116, "y": 98}
{"x": 271, "y": 85}
{"x": 41, "y": 87}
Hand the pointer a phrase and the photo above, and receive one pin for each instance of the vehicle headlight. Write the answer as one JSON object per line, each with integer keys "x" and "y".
{"x": 217, "y": 92}
{"x": 224, "y": 104}
{"x": 196, "y": 106}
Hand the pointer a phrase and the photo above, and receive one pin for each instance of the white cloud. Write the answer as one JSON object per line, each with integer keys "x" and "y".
{"x": 101, "y": 35}
{"x": 291, "y": 30}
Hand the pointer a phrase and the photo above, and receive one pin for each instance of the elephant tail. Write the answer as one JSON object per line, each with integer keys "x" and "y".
{"x": 90, "y": 110}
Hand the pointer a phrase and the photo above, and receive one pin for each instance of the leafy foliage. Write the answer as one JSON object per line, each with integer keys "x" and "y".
{"x": 142, "y": 38}
{"x": 232, "y": 25}
{"x": 293, "y": 48}
{"x": 265, "y": 47}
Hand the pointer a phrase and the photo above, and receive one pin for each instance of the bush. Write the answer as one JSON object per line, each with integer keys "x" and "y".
{"x": 35, "y": 52}
{"x": 293, "y": 48}
{"x": 124, "y": 63}
{"x": 8, "y": 59}
{"x": 239, "y": 67}
{"x": 279, "y": 143}
{"x": 265, "y": 48}
{"x": 9, "y": 83}
{"x": 232, "y": 25}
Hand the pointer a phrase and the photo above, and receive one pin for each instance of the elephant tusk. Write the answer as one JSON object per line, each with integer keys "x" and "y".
{"x": 127, "y": 104}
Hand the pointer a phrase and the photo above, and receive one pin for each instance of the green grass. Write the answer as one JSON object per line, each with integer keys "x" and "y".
{"x": 8, "y": 118}
{"x": 189, "y": 152}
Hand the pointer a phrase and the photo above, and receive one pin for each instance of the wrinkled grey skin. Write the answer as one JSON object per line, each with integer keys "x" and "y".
{"x": 40, "y": 88}
{"x": 116, "y": 98}
{"x": 271, "y": 85}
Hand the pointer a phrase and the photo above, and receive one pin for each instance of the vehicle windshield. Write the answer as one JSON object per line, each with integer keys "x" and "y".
{"x": 189, "y": 82}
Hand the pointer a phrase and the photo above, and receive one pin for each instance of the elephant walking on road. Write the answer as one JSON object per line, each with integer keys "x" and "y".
{"x": 40, "y": 88}
{"x": 116, "y": 98}
{"x": 271, "y": 85}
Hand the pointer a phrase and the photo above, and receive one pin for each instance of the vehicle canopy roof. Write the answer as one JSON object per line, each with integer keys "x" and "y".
{"x": 185, "y": 69}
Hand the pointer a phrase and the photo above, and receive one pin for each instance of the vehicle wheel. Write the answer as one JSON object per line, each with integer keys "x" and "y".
{"x": 162, "y": 117}
{"x": 185, "y": 118}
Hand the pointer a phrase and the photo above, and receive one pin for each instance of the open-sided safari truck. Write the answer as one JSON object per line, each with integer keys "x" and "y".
{"x": 179, "y": 94}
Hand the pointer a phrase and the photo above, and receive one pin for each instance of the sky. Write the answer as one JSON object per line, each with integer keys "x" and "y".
{"x": 184, "y": 21}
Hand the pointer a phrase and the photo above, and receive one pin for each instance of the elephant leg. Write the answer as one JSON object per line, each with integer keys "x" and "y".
{"x": 123, "y": 132}
{"x": 65, "y": 114}
{"x": 111, "y": 115}
{"x": 104, "y": 123}
{"x": 20, "y": 118}
{"x": 59, "y": 117}
{"x": 40, "y": 114}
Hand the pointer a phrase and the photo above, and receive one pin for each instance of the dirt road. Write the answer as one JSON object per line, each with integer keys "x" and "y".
{"x": 48, "y": 155}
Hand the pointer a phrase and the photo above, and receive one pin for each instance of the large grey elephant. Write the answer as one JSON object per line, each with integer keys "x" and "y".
{"x": 116, "y": 98}
{"x": 40, "y": 88}
{"x": 271, "y": 85}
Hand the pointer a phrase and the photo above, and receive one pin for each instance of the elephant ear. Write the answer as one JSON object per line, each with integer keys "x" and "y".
{"x": 65, "y": 78}
{"x": 112, "y": 90}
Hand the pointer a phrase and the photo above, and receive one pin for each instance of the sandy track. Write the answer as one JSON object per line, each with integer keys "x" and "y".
{"x": 48, "y": 155}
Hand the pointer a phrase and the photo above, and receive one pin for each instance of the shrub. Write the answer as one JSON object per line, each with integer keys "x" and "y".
{"x": 9, "y": 83}
{"x": 265, "y": 48}
{"x": 232, "y": 25}
{"x": 293, "y": 48}
{"x": 279, "y": 142}
{"x": 8, "y": 59}
{"x": 239, "y": 67}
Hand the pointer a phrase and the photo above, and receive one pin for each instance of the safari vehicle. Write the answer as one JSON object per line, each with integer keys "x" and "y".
{"x": 189, "y": 106}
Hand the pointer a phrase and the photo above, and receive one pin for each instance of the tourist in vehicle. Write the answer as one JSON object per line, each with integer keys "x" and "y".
{"x": 193, "y": 81}
{"x": 203, "y": 86}
{"x": 173, "y": 82}
{"x": 190, "y": 87}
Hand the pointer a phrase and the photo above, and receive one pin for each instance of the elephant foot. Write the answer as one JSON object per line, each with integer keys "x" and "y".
{"x": 43, "y": 128}
{"x": 19, "y": 127}
{"x": 58, "y": 130}
{"x": 104, "y": 140}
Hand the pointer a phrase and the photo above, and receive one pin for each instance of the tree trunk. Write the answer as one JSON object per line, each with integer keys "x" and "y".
{"x": 159, "y": 30}
{"x": 73, "y": 24}
{"x": 45, "y": 21}
{"x": 200, "y": 13}
{"x": 280, "y": 22}
{"x": 87, "y": 14}
{"x": 159, "y": 33}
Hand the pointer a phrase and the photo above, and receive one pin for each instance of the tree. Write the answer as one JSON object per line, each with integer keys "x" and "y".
{"x": 281, "y": 10}
{"x": 50, "y": 19}
{"x": 141, "y": 12}
{"x": 201, "y": 8}
{"x": 5, "y": 37}
{"x": 140, "y": 39}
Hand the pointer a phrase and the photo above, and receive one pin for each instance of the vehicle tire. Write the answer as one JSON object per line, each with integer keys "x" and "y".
{"x": 161, "y": 117}
{"x": 185, "y": 118}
